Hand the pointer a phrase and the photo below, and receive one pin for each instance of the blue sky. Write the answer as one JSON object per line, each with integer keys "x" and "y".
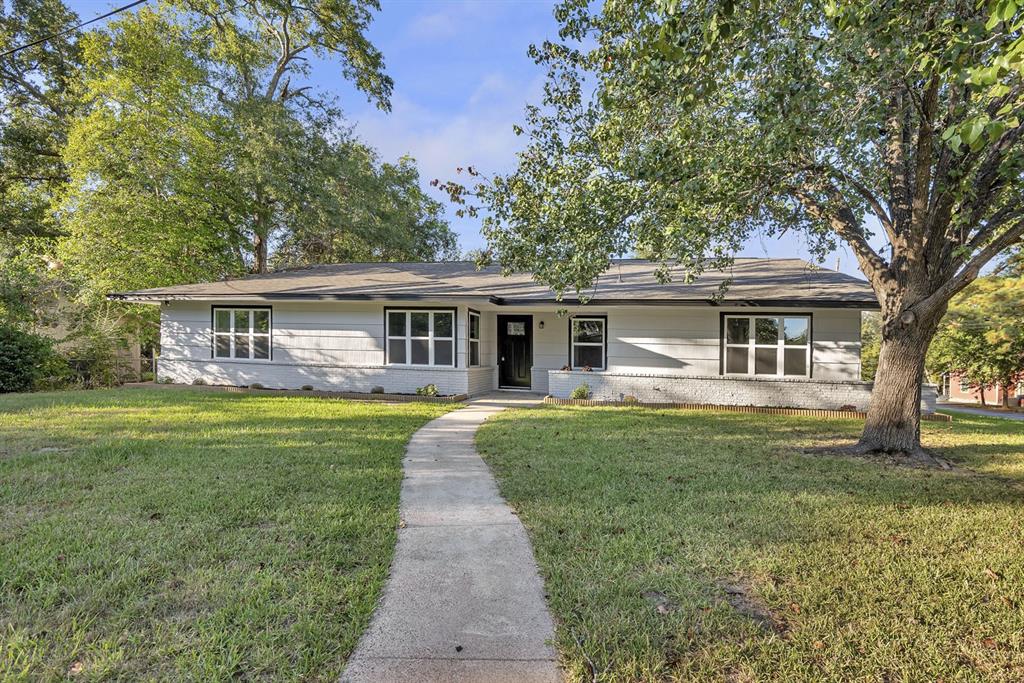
{"x": 462, "y": 78}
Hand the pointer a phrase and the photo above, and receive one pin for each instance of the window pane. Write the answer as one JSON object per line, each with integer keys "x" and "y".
{"x": 222, "y": 321}
{"x": 767, "y": 330}
{"x": 396, "y": 324}
{"x": 474, "y": 353}
{"x": 420, "y": 351}
{"x": 738, "y": 331}
{"x": 222, "y": 346}
{"x": 420, "y": 324}
{"x": 766, "y": 361}
{"x": 736, "y": 361}
{"x": 588, "y": 331}
{"x": 795, "y": 362}
{"x": 396, "y": 350}
{"x": 516, "y": 329}
{"x": 443, "y": 352}
{"x": 261, "y": 321}
{"x": 442, "y": 324}
{"x": 474, "y": 327}
{"x": 241, "y": 321}
{"x": 241, "y": 346}
{"x": 261, "y": 347}
{"x": 587, "y": 355}
{"x": 796, "y": 331}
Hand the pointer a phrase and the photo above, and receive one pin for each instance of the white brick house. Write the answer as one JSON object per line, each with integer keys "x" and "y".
{"x": 786, "y": 333}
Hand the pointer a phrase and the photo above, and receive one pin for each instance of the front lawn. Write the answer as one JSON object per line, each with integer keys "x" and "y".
{"x": 191, "y": 535}
{"x": 699, "y": 545}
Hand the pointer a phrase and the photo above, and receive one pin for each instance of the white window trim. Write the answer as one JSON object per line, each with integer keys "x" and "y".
{"x": 573, "y": 343}
{"x": 752, "y": 345}
{"x": 473, "y": 340}
{"x": 252, "y": 334}
{"x": 431, "y": 338}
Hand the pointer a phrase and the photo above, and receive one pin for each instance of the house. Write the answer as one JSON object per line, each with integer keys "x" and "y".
{"x": 783, "y": 332}
{"x": 956, "y": 388}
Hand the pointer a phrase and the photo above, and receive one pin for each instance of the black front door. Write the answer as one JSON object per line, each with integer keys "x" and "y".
{"x": 515, "y": 350}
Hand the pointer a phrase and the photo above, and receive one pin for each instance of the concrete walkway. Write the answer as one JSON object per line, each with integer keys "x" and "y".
{"x": 464, "y": 601}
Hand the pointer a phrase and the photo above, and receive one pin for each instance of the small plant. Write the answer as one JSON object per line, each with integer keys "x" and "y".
{"x": 307, "y": 387}
{"x": 380, "y": 389}
{"x": 166, "y": 380}
{"x": 581, "y": 393}
{"x": 566, "y": 368}
{"x": 587, "y": 368}
{"x": 256, "y": 385}
{"x": 428, "y": 390}
{"x": 630, "y": 399}
{"x": 199, "y": 382}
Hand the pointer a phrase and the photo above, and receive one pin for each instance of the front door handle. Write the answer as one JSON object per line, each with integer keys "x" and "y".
{"x": 503, "y": 359}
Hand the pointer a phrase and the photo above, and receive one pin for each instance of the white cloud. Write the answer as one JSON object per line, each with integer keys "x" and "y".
{"x": 432, "y": 27}
{"x": 478, "y": 132}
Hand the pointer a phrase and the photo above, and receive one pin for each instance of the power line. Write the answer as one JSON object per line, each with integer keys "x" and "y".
{"x": 70, "y": 30}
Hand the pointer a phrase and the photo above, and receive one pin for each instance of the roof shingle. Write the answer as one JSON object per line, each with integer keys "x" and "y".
{"x": 754, "y": 281}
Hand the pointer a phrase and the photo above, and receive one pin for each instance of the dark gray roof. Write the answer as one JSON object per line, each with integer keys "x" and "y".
{"x": 754, "y": 281}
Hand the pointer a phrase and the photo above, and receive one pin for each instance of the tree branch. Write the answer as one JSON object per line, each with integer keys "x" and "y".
{"x": 845, "y": 224}
{"x": 970, "y": 272}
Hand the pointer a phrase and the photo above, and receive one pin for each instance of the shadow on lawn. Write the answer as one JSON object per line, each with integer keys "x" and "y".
{"x": 734, "y": 453}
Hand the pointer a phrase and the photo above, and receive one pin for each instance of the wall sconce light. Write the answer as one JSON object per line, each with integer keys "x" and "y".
{"x": 541, "y": 324}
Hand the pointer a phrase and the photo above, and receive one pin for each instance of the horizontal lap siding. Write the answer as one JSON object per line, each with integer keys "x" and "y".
{"x": 330, "y": 346}
{"x": 687, "y": 341}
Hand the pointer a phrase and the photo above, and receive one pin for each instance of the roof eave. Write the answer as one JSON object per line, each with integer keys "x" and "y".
{"x": 159, "y": 298}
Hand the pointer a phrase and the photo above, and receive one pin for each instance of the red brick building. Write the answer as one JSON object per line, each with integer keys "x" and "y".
{"x": 956, "y": 389}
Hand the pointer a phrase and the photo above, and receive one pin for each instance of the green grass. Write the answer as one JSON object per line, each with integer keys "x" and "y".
{"x": 852, "y": 569}
{"x": 180, "y": 534}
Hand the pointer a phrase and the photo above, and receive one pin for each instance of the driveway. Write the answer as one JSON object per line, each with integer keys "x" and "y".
{"x": 951, "y": 408}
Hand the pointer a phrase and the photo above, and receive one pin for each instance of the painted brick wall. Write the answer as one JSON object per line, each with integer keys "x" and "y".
{"x": 321, "y": 377}
{"x": 780, "y": 393}
{"x": 482, "y": 380}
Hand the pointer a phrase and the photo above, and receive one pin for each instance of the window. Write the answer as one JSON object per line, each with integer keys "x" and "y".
{"x": 474, "y": 338}
{"x": 241, "y": 333}
{"x": 965, "y": 385}
{"x": 587, "y": 341}
{"x": 419, "y": 337}
{"x": 767, "y": 345}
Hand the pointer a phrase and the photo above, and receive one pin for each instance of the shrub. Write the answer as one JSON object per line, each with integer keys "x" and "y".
{"x": 582, "y": 392}
{"x": 256, "y": 385}
{"x": 307, "y": 387}
{"x": 377, "y": 390}
{"x": 630, "y": 399}
{"x": 26, "y": 359}
{"x": 429, "y": 390}
{"x": 199, "y": 382}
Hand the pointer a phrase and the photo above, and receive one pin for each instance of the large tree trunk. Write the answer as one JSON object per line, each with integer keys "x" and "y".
{"x": 893, "y": 423}
{"x": 894, "y": 416}
{"x": 259, "y": 248}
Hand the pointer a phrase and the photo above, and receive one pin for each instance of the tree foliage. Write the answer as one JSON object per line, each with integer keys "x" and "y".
{"x": 682, "y": 128}
{"x": 982, "y": 336}
{"x": 182, "y": 142}
{"x": 36, "y": 104}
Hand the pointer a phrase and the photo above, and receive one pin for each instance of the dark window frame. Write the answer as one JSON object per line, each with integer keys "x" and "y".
{"x": 437, "y": 309}
{"x": 604, "y": 345}
{"x": 470, "y": 312}
{"x": 724, "y": 315}
{"x": 213, "y": 332}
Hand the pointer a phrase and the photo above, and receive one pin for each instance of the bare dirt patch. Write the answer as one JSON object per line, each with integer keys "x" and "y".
{"x": 742, "y": 597}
